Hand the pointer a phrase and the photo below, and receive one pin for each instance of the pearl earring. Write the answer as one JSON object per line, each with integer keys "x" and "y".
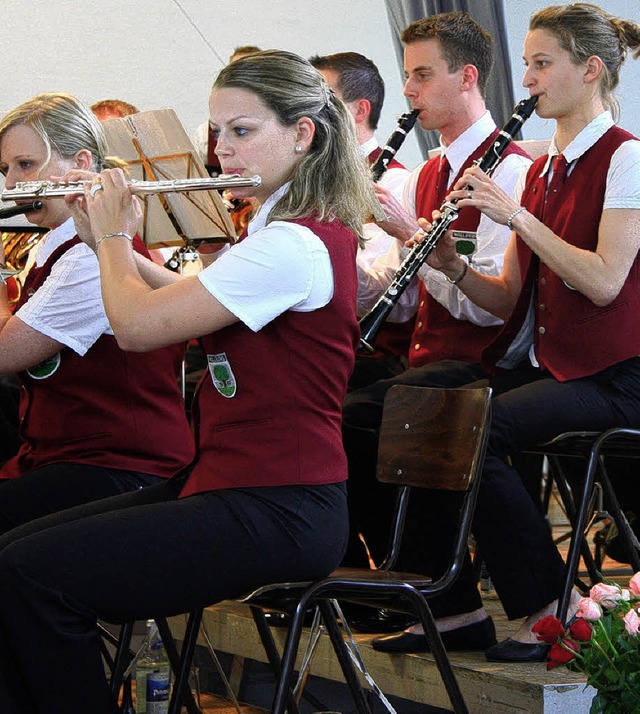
{"x": 298, "y": 149}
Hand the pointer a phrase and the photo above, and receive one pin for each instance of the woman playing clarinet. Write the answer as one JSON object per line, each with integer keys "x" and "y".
{"x": 567, "y": 357}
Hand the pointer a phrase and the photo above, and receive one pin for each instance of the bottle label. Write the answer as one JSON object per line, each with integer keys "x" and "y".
{"x": 158, "y": 692}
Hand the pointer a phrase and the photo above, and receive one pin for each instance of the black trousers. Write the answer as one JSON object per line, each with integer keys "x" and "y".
{"x": 56, "y": 487}
{"x": 141, "y": 555}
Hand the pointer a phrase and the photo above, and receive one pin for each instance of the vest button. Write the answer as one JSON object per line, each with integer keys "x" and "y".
{"x": 542, "y": 306}
{"x": 421, "y": 303}
{"x": 419, "y": 324}
{"x": 543, "y": 281}
{"x": 416, "y": 346}
{"x": 541, "y": 330}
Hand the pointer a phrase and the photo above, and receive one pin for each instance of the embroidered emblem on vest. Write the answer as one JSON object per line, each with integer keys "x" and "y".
{"x": 466, "y": 242}
{"x": 46, "y": 368}
{"x": 222, "y": 375}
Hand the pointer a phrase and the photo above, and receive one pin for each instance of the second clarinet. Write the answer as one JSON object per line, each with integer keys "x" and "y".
{"x": 395, "y": 141}
{"x": 371, "y": 323}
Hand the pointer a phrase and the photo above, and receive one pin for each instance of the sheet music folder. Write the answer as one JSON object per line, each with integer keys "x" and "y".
{"x": 157, "y": 148}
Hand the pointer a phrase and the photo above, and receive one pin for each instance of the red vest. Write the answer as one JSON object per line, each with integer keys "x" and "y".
{"x": 280, "y": 421}
{"x": 574, "y": 338}
{"x": 109, "y": 408}
{"x": 438, "y": 335}
{"x": 393, "y": 338}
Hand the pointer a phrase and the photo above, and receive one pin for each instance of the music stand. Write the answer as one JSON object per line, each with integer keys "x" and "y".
{"x": 157, "y": 148}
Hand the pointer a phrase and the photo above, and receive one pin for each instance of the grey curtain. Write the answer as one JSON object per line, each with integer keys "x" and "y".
{"x": 487, "y": 13}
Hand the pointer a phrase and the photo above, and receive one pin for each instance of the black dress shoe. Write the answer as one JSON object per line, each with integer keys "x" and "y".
{"x": 382, "y": 621}
{"x": 476, "y": 636}
{"x": 513, "y": 651}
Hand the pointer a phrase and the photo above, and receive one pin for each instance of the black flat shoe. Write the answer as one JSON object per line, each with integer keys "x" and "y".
{"x": 512, "y": 651}
{"x": 476, "y": 636}
{"x": 382, "y": 621}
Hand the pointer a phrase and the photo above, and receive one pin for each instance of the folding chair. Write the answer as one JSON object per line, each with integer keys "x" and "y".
{"x": 580, "y": 507}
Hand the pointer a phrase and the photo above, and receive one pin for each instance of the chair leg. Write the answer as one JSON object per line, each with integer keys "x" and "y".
{"x": 625, "y": 531}
{"x": 181, "y": 692}
{"x": 122, "y": 657}
{"x": 438, "y": 651}
{"x": 577, "y": 538}
{"x": 342, "y": 653}
{"x": 269, "y": 645}
{"x": 292, "y": 643}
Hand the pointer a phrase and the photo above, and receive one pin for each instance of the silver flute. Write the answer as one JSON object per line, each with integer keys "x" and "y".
{"x": 50, "y": 189}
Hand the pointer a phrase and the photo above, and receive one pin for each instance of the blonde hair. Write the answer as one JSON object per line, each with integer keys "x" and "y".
{"x": 584, "y": 30}
{"x": 65, "y": 125}
{"x": 332, "y": 180}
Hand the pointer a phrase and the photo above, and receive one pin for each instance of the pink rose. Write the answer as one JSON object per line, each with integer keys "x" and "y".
{"x": 589, "y": 609}
{"x": 632, "y": 622}
{"x": 605, "y": 595}
{"x": 634, "y": 584}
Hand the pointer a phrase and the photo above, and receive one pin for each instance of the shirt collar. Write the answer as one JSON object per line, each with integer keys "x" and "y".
{"x": 459, "y": 150}
{"x": 53, "y": 239}
{"x": 259, "y": 221}
{"x": 593, "y": 132}
{"x": 368, "y": 147}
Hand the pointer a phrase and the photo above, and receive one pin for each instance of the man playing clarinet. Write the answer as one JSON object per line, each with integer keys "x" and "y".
{"x": 447, "y": 61}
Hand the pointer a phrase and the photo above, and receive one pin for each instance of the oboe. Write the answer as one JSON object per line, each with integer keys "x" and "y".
{"x": 50, "y": 189}
{"x": 11, "y": 211}
{"x": 395, "y": 141}
{"x": 371, "y": 323}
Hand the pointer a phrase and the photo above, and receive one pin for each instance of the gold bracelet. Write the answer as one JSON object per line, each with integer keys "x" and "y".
{"x": 459, "y": 279}
{"x": 113, "y": 235}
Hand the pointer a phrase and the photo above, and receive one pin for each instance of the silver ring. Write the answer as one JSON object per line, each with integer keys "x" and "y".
{"x": 469, "y": 192}
{"x": 95, "y": 188}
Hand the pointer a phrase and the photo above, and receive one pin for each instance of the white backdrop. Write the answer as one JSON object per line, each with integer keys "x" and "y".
{"x": 165, "y": 53}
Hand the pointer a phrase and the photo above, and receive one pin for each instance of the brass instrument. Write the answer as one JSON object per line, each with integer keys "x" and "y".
{"x": 371, "y": 323}
{"x": 50, "y": 189}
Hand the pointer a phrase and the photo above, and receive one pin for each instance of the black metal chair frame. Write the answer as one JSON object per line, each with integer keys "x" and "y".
{"x": 594, "y": 447}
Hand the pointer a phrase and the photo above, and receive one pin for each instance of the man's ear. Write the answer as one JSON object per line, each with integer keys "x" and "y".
{"x": 469, "y": 76}
{"x": 362, "y": 109}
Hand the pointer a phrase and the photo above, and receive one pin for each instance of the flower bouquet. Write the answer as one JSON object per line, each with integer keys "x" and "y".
{"x": 603, "y": 641}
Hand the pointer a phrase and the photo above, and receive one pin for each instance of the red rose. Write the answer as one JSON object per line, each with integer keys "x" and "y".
{"x": 549, "y": 629}
{"x": 562, "y": 653}
{"x": 581, "y": 630}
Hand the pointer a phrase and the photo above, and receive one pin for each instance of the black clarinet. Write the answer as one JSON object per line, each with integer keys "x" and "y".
{"x": 395, "y": 141}
{"x": 19, "y": 208}
{"x": 371, "y": 323}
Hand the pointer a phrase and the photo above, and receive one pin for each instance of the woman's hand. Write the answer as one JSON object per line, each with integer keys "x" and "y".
{"x": 475, "y": 188}
{"x": 76, "y": 204}
{"x": 110, "y": 206}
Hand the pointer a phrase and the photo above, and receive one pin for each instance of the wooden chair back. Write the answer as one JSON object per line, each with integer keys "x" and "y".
{"x": 432, "y": 437}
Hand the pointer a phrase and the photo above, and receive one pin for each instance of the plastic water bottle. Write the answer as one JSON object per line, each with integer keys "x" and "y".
{"x": 153, "y": 674}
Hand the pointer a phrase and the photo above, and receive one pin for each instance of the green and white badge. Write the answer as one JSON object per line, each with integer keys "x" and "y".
{"x": 466, "y": 243}
{"x": 46, "y": 368}
{"x": 222, "y": 375}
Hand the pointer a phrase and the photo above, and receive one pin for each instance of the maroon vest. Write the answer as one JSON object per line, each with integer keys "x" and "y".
{"x": 574, "y": 338}
{"x": 438, "y": 335}
{"x": 393, "y": 338}
{"x": 109, "y": 408}
{"x": 275, "y": 416}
